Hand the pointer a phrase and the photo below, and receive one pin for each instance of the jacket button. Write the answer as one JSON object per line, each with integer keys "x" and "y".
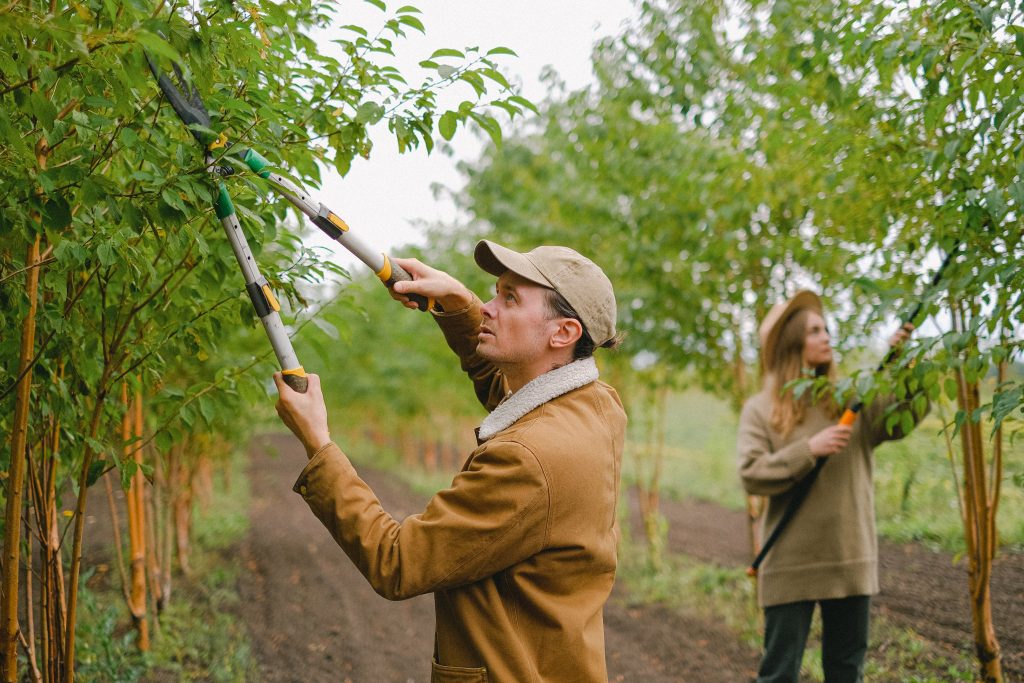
{"x": 302, "y": 490}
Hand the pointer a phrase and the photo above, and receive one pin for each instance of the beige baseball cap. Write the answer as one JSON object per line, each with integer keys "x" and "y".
{"x": 581, "y": 281}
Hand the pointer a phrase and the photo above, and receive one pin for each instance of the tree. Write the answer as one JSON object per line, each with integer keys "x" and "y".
{"x": 106, "y": 219}
{"x": 730, "y": 153}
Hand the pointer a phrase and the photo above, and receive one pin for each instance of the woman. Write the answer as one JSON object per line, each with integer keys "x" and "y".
{"x": 828, "y": 554}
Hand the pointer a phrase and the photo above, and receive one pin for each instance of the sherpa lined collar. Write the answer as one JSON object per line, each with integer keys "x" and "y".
{"x": 537, "y": 392}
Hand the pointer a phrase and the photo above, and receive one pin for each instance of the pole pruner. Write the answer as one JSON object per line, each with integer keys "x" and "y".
{"x": 848, "y": 417}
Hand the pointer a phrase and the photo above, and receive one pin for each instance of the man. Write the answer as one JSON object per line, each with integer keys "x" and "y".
{"x": 520, "y": 551}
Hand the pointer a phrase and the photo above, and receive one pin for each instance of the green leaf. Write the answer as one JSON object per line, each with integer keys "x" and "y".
{"x": 164, "y": 441}
{"x": 369, "y": 113}
{"x": 447, "y": 52}
{"x": 447, "y": 125}
{"x": 327, "y": 328}
{"x": 172, "y": 199}
{"x": 105, "y": 253}
{"x": 157, "y": 46}
{"x": 56, "y": 213}
{"x": 522, "y": 101}
{"x": 490, "y": 125}
{"x": 495, "y": 76}
{"x": 1018, "y": 38}
{"x": 206, "y": 409}
{"x": 379, "y": 4}
{"x": 501, "y": 51}
{"x": 128, "y": 469}
{"x": 97, "y": 468}
{"x": 412, "y": 21}
{"x": 446, "y": 71}
{"x": 951, "y": 388}
{"x": 906, "y": 422}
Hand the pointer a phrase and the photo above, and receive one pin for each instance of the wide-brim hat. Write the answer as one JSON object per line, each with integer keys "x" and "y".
{"x": 778, "y": 316}
{"x": 578, "y": 279}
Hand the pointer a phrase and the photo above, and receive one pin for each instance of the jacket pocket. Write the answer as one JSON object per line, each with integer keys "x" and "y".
{"x": 439, "y": 673}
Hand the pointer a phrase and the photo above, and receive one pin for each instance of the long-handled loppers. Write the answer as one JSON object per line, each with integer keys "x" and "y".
{"x": 191, "y": 110}
{"x": 188, "y": 105}
{"x": 848, "y": 417}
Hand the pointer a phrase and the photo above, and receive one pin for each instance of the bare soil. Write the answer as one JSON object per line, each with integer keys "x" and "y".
{"x": 312, "y": 616}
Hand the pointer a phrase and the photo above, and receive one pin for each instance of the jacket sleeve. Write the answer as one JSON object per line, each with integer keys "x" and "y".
{"x": 875, "y": 415}
{"x": 765, "y": 472}
{"x": 460, "y": 329}
{"x": 493, "y": 516}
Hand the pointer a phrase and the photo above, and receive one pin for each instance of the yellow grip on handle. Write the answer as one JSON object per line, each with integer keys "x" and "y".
{"x": 390, "y": 273}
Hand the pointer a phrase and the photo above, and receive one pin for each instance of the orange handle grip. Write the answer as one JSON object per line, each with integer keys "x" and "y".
{"x": 848, "y": 418}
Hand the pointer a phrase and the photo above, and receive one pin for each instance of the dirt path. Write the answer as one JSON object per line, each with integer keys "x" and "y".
{"x": 314, "y": 618}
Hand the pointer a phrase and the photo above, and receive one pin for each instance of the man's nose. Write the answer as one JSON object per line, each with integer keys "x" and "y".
{"x": 486, "y": 309}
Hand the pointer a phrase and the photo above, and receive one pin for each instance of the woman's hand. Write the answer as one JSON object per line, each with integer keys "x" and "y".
{"x": 304, "y": 414}
{"x": 431, "y": 283}
{"x": 901, "y": 335}
{"x": 830, "y": 440}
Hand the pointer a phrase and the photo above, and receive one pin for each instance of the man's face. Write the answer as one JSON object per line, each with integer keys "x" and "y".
{"x": 516, "y": 326}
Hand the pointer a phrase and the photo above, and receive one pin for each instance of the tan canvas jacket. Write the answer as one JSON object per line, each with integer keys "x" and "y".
{"x": 520, "y": 551}
{"x": 829, "y": 548}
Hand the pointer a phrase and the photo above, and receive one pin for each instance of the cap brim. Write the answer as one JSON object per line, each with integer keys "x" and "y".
{"x": 496, "y": 260}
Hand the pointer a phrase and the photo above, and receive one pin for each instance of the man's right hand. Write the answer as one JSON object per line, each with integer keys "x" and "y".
{"x": 830, "y": 440}
{"x": 429, "y": 282}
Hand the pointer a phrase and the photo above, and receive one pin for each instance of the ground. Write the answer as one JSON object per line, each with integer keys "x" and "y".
{"x": 312, "y": 617}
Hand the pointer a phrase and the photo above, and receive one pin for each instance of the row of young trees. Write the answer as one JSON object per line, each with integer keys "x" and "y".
{"x": 117, "y": 287}
{"x": 728, "y": 153}
{"x": 732, "y": 152}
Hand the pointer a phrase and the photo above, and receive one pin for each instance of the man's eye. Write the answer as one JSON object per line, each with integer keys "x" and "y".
{"x": 510, "y": 297}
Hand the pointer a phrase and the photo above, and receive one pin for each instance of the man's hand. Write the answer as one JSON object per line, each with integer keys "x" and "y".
{"x": 434, "y": 284}
{"x": 830, "y": 440}
{"x": 304, "y": 414}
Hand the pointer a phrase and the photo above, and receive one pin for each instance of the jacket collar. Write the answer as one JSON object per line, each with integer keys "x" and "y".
{"x": 537, "y": 392}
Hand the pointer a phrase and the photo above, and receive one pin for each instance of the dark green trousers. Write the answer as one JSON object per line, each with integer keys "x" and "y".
{"x": 844, "y": 639}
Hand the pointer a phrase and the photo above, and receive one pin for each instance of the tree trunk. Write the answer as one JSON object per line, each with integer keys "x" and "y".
{"x": 9, "y": 628}
{"x": 76, "y": 543}
{"x": 136, "y": 517}
{"x": 183, "y": 511}
{"x": 979, "y": 521}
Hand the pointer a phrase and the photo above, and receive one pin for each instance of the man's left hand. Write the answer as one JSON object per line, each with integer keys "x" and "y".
{"x": 304, "y": 414}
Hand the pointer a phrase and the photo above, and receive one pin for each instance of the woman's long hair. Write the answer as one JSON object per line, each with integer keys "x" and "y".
{"x": 787, "y": 364}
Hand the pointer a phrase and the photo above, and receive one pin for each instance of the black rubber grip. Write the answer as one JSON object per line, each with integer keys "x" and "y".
{"x": 298, "y": 383}
{"x": 399, "y": 273}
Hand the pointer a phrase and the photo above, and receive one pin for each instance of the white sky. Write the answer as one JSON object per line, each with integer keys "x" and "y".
{"x": 385, "y": 199}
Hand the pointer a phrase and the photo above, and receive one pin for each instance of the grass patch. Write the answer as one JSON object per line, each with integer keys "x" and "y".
{"x": 727, "y": 595}
{"x": 724, "y": 594}
{"x": 199, "y": 636}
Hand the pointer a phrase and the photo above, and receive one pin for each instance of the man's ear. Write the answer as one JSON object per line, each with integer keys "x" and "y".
{"x": 567, "y": 334}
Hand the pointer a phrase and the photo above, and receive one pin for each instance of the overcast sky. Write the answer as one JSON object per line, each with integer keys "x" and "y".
{"x": 385, "y": 198}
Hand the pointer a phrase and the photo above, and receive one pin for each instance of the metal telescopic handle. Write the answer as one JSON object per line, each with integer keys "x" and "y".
{"x": 333, "y": 226}
{"x": 262, "y": 297}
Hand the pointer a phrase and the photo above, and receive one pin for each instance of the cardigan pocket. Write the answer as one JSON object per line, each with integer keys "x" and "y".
{"x": 439, "y": 673}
